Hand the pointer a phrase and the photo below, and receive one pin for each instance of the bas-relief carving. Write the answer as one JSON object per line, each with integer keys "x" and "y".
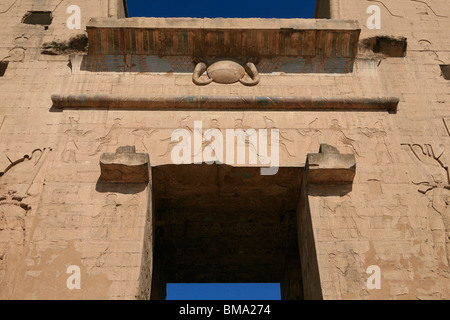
{"x": 350, "y": 276}
{"x": 396, "y": 218}
{"x": 116, "y": 219}
{"x": 110, "y": 138}
{"x": 239, "y": 125}
{"x": 437, "y": 191}
{"x": 343, "y": 219}
{"x": 141, "y": 133}
{"x": 21, "y": 173}
{"x": 378, "y": 134}
{"x": 102, "y": 222}
{"x": 282, "y": 139}
{"x": 18, "y": 179}
{"x": 183, "y": 125}
{"x": 313, "y": 133}
{"x": 12, "y": 227}
{"x": 438, "y": 194}
{"x": 340, "y": 139}
{"x": 225, "y": 71}
{"x": 71, "y": 148}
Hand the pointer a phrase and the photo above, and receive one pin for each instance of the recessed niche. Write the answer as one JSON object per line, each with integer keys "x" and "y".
{"x": 43, "y": 18}
{"x": 387, "y": 45}
{"x": 3, "y": 67}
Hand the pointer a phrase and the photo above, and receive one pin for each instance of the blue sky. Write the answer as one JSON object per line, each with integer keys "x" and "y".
{"x": 224, "y": 9}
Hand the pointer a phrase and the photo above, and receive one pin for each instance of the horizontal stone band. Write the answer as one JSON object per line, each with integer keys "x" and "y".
{"x": 273, "y": 103}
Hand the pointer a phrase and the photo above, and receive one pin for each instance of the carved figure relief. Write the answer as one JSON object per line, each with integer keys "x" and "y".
{"x": 346, "y": 212}
{"x": 101, "y": 222}
{"x": 270, "y": 124}
{"x": 225, "y": 71}
{"x": 20, "y": 174}
{"x": 313, "y": 133}
{"x": 18, "y": 179}
{"x": 140, "y": 134}
{"x": 12, "y": 226}
{"x": 183, "y": 124}
{"x": 341, "y": 139}
{"x": 437, "y": 190}
{"x": 128, "y": 218}
{"x": 438, "y": 194}
{"x": 214, "y": 124}
{"x": 71, "y": 146}
{"x": 378, "y": 134}
{"x": 402, "y": 224}
{"x": 112, "y": 137}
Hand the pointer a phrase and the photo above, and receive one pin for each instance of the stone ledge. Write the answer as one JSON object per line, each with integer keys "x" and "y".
{"x": 275, "y": 103}
{"x": 330, "y": 167}
{"x": 125, "y": 166}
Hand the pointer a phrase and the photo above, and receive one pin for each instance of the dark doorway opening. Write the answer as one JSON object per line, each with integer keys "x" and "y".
{"x": 3, "y": 67}
{"x": 223, "y": 224}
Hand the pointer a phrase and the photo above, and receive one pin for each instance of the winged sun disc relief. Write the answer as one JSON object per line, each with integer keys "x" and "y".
{"x": 225, "y": 71}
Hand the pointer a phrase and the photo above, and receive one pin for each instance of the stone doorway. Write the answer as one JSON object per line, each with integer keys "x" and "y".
{"x": 223, "y": 224}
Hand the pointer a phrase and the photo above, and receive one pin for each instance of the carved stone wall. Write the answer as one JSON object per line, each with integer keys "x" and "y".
{"x": 392, "y": 211}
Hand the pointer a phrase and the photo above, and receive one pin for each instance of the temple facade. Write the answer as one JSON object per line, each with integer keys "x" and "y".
{"x": 136, "y": 152}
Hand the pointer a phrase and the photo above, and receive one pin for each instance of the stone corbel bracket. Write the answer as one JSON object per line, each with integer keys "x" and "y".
{"x": 329, "y": 167}
{"x": 125, "y": 166}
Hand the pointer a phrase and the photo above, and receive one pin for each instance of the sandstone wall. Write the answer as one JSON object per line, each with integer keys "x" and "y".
{"x": 56, "y": 212}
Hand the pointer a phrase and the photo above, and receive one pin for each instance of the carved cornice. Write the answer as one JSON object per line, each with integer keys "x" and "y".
{"x": 223, "y": 37}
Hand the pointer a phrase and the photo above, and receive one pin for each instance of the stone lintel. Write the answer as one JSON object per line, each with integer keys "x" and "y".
{"x": 125, "y": 166}
{"x": 273, "y": 103}
{"x": 329, "y": 167}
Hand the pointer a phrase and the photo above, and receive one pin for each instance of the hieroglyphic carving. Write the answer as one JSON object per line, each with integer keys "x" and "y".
{"x": 387, "y": 8}
{"x": 432, "y": 10}
{"x": 379, "y": 134}
{"x": 427, "y": 157}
